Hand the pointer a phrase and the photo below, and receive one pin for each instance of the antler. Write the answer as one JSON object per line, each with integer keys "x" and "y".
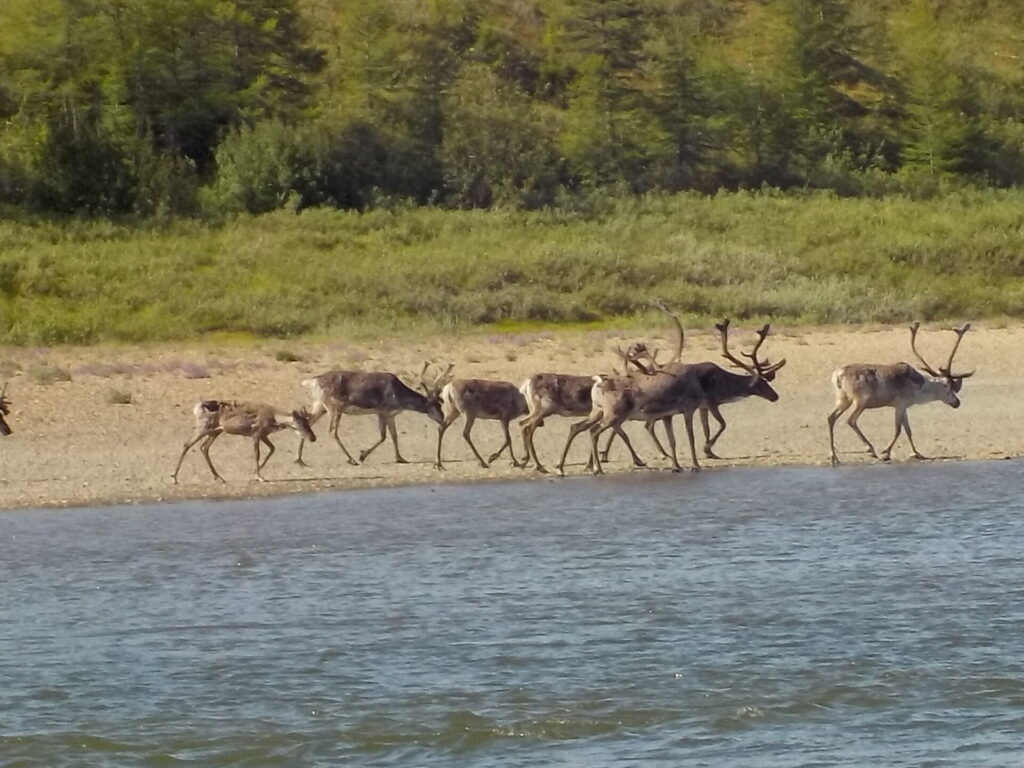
{"x": 764, "y": 368}
{"x": 948, "y": 370}
{"x": 431, "y": 387}
{"x": 756, "y": 367}
{"x": 444, "y": 377}
{"x": 752, "y": 354}
{"x": 913, "y": 347}
{"x": 723, "y": 332}
{"x": 679, "y": 330}
{"x": 924, "y": 363}
{"x": 635, "y": 353}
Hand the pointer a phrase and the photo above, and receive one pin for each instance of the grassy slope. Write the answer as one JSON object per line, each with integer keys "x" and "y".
{"x": 816, "y": 259}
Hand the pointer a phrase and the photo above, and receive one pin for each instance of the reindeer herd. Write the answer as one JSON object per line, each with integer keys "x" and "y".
{"x": 646, "y": 390}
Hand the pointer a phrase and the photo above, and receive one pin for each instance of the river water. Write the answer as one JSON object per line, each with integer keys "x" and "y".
{"x": 762, "y": 617}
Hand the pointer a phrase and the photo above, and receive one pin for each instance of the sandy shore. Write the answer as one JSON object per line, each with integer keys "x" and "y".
{"x": 75, "y": 444}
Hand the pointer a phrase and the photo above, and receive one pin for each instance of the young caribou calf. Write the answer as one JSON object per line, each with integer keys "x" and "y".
{"x": 255, "y": 420}
{"x": 898, "y": 386}
{"x": 480, "y": 399}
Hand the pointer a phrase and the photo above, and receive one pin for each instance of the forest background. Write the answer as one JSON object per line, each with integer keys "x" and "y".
{"x": 171, "y": 168}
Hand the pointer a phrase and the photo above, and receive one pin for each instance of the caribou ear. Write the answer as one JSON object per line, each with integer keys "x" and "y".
{"x": 956, "y": 382}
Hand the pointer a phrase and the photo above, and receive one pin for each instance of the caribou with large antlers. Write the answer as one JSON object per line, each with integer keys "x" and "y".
{"x": 722, "y": 386}
{"x": 719, "y": 385}
{"x": 897, "y": 386}
{"x": 372, "y": 392}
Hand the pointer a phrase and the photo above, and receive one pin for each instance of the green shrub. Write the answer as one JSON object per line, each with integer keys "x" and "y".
{"x": 812, "y": 258}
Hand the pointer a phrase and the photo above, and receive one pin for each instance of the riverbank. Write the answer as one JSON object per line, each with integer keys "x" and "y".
{"x": 99, "y": 425}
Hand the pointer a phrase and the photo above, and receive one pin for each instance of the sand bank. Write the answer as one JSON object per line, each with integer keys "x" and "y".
{"x": 76, "y": 443}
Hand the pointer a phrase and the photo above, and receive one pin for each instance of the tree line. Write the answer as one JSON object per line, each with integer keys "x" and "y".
{"x": 184, "y": 107}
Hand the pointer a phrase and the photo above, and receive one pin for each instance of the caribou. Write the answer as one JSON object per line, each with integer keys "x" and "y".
{"x": 255, "y": 420}
{"x": 720, "y": 386}
{"x": 372, "y": 392}
{"x": 480, "y": 399}
{"x": 897, "y": 386}
{"x": 656, "y": 393}
{"x": 552, "y": 394}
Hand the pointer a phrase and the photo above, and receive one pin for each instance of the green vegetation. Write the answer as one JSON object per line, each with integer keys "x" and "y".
{"x": 165, "y": 108}
{"x": 173, "y": 168}
{"x": 815, "y": 258}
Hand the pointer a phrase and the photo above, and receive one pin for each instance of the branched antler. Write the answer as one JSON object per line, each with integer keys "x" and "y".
{"x": 948, "y": 370}
{"x": 433, "y": 387}
{"x": 945, "y": 372}
{"x": 763, "y": 369}
{"x": 635, "y": 355}
{"x": 681, "y": 335}
{"x": 913, "y": 347}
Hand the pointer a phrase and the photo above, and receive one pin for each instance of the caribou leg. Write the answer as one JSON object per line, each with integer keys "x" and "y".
{"x": 852, "y": 421}
{"x": 841, "y": 406}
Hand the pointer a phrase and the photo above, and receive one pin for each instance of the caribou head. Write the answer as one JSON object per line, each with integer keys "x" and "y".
{"x": 761, "y": 372}
{"x": 432, "y": 390}
{"x": 952, "y": 381}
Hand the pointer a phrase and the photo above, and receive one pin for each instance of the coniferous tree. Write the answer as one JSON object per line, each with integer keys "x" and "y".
{"x": 610, "y": 135}
{"x": 846, "y": 105}
{"x": 498, "y": 148}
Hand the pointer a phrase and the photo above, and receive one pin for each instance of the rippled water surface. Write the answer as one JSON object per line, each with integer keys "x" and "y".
{"x": 769, "y": 617}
